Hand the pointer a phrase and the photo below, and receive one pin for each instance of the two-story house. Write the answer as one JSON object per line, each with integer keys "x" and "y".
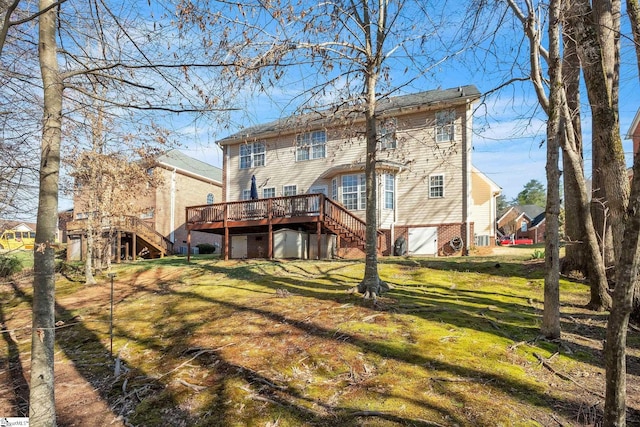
{"x": 160, "y": 229}
{"x": 307, "y": 168}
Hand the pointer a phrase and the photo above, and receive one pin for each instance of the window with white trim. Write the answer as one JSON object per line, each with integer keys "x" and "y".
{"x": 445, "y": 130}
{"x": 148, "y": 214}
{"x": 252, "y": 155}
{"x": 268, "y": 192}
{"x": 334, "y": 189}
{"x": 387, "y": 134}
{"x": 389, "y": 190}
{"x": 246, "y": 194}
{"x": 523, "y": 226}
{"x": 353, "y": 192}
{"x": 289, "y": 190}
{"x": 311, "y": 145}
{"x": 210, "y": 199}
{"x": 436, "y": 186}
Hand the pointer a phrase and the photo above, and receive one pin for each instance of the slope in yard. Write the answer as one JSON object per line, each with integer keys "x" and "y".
{"x": 454, "y": 343}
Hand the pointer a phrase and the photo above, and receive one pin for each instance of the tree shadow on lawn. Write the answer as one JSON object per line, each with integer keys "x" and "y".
{"x": 522, "y": 391}
{"x": 92, "y": 360}
{"x": 13, "y": 371}
{"x": 508, "y": 315}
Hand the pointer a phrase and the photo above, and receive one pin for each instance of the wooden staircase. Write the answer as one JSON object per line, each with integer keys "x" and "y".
{"x": 338, "y": 220}
{"x": 146, "y": 236}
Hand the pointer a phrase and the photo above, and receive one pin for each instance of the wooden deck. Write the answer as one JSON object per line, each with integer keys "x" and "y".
{"x": 315, "y": 212}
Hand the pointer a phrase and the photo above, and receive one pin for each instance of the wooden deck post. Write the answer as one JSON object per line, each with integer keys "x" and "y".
{"x": 226, "y": 232}
{"x": 269, "y": 220}
{"x": 319, "y": 234}
{"x": 134, "y": 245}
{"x": 189, "y": 246}
{"x": 118, "y": 247}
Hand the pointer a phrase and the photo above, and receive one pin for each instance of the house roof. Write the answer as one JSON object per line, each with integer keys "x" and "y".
{"x": 396, "y": 104}
{"x": 177, "y": 159}
{"x": 6, "y": 224}
{"x": 532, "y": 211}
{"x": 634, "y": 125}
{"x": 494, "y": 187}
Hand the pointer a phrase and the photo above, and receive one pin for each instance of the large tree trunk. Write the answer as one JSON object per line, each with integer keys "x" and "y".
{"x": 42, "y": 410}
{"x": 610, "y": 183}
{"x": 371, "y": 285}
{"x": 551, "y": 315}
{"x": 633, "y": 10}
{"x": 616, "y": 342}
{"x": 575, "y": 248}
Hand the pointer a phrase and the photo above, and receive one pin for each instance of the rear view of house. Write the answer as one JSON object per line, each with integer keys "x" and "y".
{"x": 309, "y": 179}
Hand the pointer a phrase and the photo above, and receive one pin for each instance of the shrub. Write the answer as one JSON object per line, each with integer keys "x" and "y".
{"x": 206, "y": 248}
{"x": 9, "y": 265}
{"x": 537, "y": 254}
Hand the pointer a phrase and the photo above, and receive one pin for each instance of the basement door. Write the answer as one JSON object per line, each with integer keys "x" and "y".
{"x": 238, "y": 247}
{"x": 423, "y": 241}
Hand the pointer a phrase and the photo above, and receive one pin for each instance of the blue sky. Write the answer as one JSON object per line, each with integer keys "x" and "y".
{"x": 509, "y": 127}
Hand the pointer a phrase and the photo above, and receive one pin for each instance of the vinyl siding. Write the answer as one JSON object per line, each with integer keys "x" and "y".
{"x": 417, "y": 154}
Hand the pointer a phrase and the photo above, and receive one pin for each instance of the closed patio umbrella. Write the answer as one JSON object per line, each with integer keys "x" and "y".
{"x": 254, "y": 188}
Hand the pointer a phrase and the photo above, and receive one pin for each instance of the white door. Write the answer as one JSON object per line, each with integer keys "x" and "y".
{"x": 318, "y": 189}
{"x": 238, "y": 247}
{"x": 423, "y": 241}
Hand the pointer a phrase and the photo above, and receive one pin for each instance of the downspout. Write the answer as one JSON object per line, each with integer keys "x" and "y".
{"x": 172, "y": 213}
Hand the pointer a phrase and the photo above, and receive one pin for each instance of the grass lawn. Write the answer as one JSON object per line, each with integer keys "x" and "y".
{"x": 282, "y": 343}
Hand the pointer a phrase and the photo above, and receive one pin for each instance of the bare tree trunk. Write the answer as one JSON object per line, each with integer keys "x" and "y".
{"x": 616, "y": 342}
{"x": 371, "y": 284}
{"x": 633, "y": 10}
{"x": 575, "y": 248}
{"x": 88, "y": 262}
{"x": 42, "y": 411}
{"x": 551, "y": 315}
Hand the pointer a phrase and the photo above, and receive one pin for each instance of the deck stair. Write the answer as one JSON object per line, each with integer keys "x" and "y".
{"x": 146, "y": 236}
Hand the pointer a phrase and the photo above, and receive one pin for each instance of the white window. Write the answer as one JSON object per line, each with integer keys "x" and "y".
{"x": 311, "y": 145}
{"x": 445, "y": 125}
{"x": 387, "y": 134}
{"x": 268, "y": 192}
{"x": 148, "y": 214}
{"x": 246, "y": 194}
{"x": 252, "y": 155}
{"x": 436, "y": 186}
{"x": 210, "y": 199}
{"x": 289, "y": 190}
{"x": 334, "y": 189}
{"x": 523, "y": 226}
{"x": 353, "y": 192}
{"x": 389, "y": 190}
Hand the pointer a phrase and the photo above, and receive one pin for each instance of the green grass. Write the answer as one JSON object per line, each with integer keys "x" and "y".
{"x": 282, "y": 343}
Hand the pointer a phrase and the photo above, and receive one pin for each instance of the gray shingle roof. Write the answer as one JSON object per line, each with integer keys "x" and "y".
{"x": 181, "y": 161}
{"x": 461, "y": 94}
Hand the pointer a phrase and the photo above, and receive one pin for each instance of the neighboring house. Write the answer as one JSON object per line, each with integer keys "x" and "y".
{"x": 634, "y": 132}
{"x": 309, "y": 179}
{"x": 483, "y": 215}
{"x": 523, "y": 221}
{"x": 160, "y": 229}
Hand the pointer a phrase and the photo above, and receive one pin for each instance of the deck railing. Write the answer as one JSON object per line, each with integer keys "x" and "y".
{"x": 334, "y": 215}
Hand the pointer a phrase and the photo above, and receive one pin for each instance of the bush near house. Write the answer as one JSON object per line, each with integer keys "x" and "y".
{"x": 206, "y": 248}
